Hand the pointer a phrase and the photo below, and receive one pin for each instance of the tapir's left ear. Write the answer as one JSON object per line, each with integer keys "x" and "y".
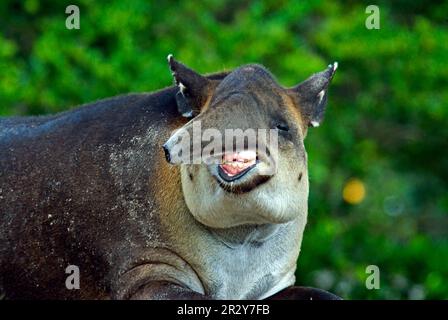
{"x": 193, "y": 88}
{"x": 311, "y": 95}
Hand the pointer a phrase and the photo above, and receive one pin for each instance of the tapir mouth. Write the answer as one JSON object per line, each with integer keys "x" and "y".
{"x": 235, "y": 165}
{"x": 243, "y": 171}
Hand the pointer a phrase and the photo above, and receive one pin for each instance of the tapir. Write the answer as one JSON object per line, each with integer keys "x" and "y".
{"x": 94, "y": 204}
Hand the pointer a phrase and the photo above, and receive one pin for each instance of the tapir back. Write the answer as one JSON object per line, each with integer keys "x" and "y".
{"x": 75, "y": 190}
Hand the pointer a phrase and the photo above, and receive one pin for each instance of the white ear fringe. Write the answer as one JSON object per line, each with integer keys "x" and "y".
{"x": 321, "y": 95}
{"x": 188, "y": 114}
{"x": 335, "y": 66}
{"x": 182, "y": 87}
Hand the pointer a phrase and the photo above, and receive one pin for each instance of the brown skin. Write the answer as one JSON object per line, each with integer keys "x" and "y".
{"x": 90, "y": 187}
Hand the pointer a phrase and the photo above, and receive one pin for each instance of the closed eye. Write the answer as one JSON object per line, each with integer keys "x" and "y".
{"x": 282, "y": 127}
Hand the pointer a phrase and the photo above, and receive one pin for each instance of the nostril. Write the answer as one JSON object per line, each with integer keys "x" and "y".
{"x": 167, "y": 153}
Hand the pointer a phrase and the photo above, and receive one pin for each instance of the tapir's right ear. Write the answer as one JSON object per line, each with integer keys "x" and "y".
{"x": 194, "y": 90}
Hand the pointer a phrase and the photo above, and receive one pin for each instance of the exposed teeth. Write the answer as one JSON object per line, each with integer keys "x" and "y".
{"x": 247, "y": 154}
{"x": 234, "y": 163}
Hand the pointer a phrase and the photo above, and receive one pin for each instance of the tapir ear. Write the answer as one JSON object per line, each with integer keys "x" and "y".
{"x": 193, "y": 88}
{"x": 311, "y": 95}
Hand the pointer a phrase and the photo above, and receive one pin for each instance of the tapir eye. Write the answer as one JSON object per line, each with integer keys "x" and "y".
{"x": 283, "y": 127}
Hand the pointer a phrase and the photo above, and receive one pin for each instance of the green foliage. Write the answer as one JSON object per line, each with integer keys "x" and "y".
{"x": 385, "y": 125}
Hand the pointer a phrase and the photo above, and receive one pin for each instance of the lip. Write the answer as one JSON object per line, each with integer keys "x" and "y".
{"x": 242, "y": 183}
{"x": 246, "y": 180}
{"x": 224, "y": 176}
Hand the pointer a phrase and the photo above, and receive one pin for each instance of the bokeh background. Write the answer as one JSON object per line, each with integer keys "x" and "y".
{"x": 378, "y": 164}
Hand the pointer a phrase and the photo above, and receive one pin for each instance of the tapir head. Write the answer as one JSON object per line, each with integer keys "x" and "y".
{"x": 242, "y": 154}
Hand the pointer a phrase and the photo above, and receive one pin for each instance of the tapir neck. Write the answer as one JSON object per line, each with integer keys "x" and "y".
{"x": 245, "y": 234}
